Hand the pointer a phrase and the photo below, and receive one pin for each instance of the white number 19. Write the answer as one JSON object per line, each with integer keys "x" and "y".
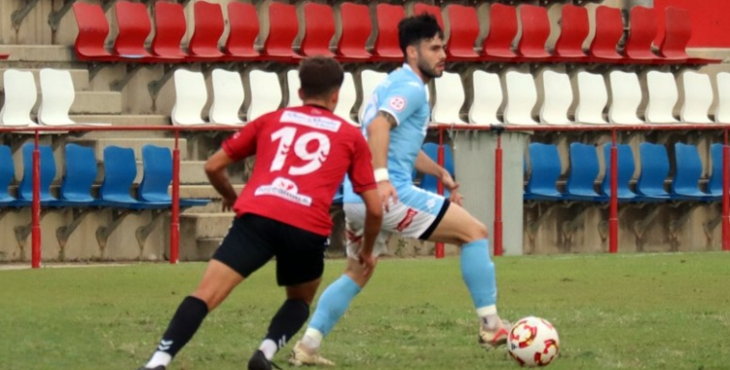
{"x": 286, "y": 136}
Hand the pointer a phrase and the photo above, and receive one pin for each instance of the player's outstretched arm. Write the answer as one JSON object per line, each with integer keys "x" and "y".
{"x": 215, "y": 169}
{"x": 379, "y": 140}
{"x": 373, "y": 221}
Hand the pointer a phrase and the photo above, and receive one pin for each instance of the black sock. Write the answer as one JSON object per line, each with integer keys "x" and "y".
{"x": 286, "y": 323}
{"x": 184, "y": 324}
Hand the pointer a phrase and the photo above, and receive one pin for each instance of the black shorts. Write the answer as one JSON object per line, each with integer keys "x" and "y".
{"x": 253, "y": 240}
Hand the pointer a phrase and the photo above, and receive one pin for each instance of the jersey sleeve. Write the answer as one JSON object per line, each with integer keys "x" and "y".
{"x": 361, "y": 171}
{"x": 243, "y": 143}
{"x": 402, "y": 99}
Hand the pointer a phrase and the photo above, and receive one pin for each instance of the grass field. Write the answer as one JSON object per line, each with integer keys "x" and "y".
{"x": 668, "y": 311}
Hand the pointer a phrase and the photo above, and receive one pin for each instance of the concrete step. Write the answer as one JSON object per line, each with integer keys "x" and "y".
{"x": 38, "y": 53}
{"x": 205, "y": 225}
{"x": 125, "y": 120}
{"x": 80, "y": 78}
{"x": 97, "y": 102}
{"x": 207, "y": 246}
{"x": 134, "y": 143}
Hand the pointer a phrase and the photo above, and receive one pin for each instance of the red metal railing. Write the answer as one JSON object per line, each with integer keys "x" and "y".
{"x": 498, "y": 237}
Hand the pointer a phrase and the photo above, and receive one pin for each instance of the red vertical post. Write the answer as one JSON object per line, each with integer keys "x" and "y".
{"x": 36, "y": 206}
{"x": 726, "y": 195}
{"x": 613, "y": 215}
{"x": 175, "y": 217}
{"x": 440, "y": 187}
{"x": 498, "y": 242}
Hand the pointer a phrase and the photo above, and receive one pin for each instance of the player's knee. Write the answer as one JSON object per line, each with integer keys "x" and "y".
{"x": 476, "y": 232}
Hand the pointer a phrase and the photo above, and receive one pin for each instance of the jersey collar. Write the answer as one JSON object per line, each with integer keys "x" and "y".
{"x": 410, "y": 70}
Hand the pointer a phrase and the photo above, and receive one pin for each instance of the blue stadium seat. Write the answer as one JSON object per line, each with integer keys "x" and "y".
{"x": 687, "y": 176}
{"x": 430, "y": 182}
{"x": 715, "y": 185}
{"x": 7, "y": 172}
{"x": 47, "y": 172}
{"x": 654, "y": 170}
{"x": 157, "y": 169}
{"x": 80, "y": 175}
{"x": 545, "y": 171}
{"x": 626, "y": 167}
{"x": 583, "y": 173}
{"x": 120, "y": 169}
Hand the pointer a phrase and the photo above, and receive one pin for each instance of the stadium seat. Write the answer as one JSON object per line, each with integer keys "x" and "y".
{"x": 654, "y": 170}
{"x": 558, "y": 97}
{"x": 190, "y": 98}
{"x": 386, "y": 47}
{"x": 545, "y": 171}
{"x": 714, "y": 186}
{"x": 265, "y": 93}
{"x": 583, "y": 173}
{"x": 170, "y": 27}
{"x": 574, "y": 29}
{"x": 502, "y": 31}
{"x": 609, "y": 29}
{"x": 420, "y": 8}
{"x": 449, "y": 99}
{"x": 347, "y": 99}
{"x": 642, "y": 32}
{"x": 626, "y": 168}
{"x": 698, "y": 97}
{"x": 488, "y": 98}
{"x": 120, "y": 170}
{"x": 369, "y": 79}
{"x": 625, "y": 98}
{"x": 58, "y": 94}
{"x": 592, "y": 98}
{"x": 4, "y": 56}
{"x": 243, "y": 22}
{"x": 292, "y": 86}
{"x": 722, "y": 111}
{"x": 535, "y": 32}
{"x": 319, "y": 29}
{"x": 463, "y": 33}
{"x": 20, "y": 98}
{"x": 7, "y": 174}
{"x": 157, "y": 176}
{"x": 47, "y": 174}
{"x": 134, "y": 26}
{"x": 687, "y": 174}
{"x": 209, "y": 27}
{"x": 228, "y": 97}
{"x": 663, "y": 96}
{"x": 521, "y": 98}
{"x": 429, "y": 182}
{"x": 93, "y": 31}
{"x": 356, "y": 27}
{"x": 81, "y": 173}
{"x": 283, "y": 29}
{"x": 677, "y": 32}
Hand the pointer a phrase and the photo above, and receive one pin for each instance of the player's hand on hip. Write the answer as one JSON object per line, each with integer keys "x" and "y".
{"x": 367, "y": 261}
{"x": 227, "y": 204}
{"x": 387, "y": 193}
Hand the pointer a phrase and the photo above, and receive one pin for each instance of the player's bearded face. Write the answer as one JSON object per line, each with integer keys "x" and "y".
{"x": 432, "y": 57}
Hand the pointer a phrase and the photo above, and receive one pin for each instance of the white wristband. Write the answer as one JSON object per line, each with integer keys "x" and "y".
{"x": 381, "y": 174}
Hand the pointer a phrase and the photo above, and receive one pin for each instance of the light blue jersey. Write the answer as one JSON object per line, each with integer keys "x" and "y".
{"x": 403, "y": 95}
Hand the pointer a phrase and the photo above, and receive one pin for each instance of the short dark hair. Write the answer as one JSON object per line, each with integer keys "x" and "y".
{"x": 414, "y": 29}
{"x": 320, "y": 76}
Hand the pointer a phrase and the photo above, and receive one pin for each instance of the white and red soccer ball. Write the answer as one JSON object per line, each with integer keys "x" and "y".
{"x": 533, "y": 342}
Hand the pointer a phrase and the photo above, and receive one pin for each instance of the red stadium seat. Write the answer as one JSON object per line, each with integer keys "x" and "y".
{"x": 574, "y": 29}
{"x": 93, "y": 30}
{"x": 244, "y": 28}
{"x": 209, "y": 27}
{"x": 356, "y": 29}
{"x": 170, "y": 27}
{"x": 283, "y": 29}
{"x": 134, "y": 26}
{"x": 609, "y": 29}
{"x": 535, "y": 32}
{"x": 434, "y": 10}
{"x": 463, "y": 32}
{"x": 677, "y": 33}
{"x": 502, "y": 31}
{"x": 642, "y": 32}
{"x": 386, "y": 46}
{"x": 318, "y": 30}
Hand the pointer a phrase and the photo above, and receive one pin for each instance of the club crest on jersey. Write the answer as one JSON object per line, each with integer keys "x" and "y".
{"x": 285, "y": 189}
{"x": 397, "y": 103}
{"x": 407, "y": 220}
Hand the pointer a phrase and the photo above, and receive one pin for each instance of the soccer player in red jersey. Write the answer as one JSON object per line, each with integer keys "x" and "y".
{"x": 302, "y": 155}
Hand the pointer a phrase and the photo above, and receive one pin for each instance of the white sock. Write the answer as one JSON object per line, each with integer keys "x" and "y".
{"x": 312, "y": 339}
{"x": 488, "y": 316}
{"x": 269, "y": 348}
{"x": 159, "y": 359}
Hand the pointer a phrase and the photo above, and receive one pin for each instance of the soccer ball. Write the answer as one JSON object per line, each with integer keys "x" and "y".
{"x": 533, "y": 342}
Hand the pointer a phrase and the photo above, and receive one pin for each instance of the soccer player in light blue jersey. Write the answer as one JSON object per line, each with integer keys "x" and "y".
{"x": 395, "y": 123}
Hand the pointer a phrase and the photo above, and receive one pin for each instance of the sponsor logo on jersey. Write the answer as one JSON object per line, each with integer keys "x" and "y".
{"x": 318, "y": 122}
{"x": 284, "y": 189}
